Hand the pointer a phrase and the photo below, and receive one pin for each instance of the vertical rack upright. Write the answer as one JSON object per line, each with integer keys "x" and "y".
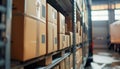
{"x": 5, "y": 33}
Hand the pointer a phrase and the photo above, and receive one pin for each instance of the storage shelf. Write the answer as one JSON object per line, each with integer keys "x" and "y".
{"x": 18, "y": 64}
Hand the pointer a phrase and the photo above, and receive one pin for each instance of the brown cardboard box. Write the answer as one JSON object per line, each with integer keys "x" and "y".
{"x": 77, "y": 38}
{"x": 42, "y": 38}
{"x": 78, "y": 27}
{"x": 55, "y": 38}
{"x": 50, "y": 37}
{"x": 26, "y": 30}
{"x": 68, "y": 40}
{"x": 68, "y": 21}
{"x": 67, "y": 63}
{"x": 51, "y": 14}
{"x": 114, "y": 32}
{"x": 23, "y": 46}
{"x": 31, "y": 8}
{"x": 56, "y": 67}
{"x": 71, "y": 61}
{"x": 62, "y": 65}
{"x": 71, "y": 38}
{"x": 61, "y": 23}
{"x": 64, "y": 41}
{"x": 61, "y": 41}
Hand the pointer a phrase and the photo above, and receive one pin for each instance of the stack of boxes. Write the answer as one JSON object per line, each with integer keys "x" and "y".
{"x": 51, "y": 29}
{"x": 28, "y": 40}
{"x": 61, "y": 31}
{"x": 78, "y": 58}
{"x": 38, "y": 29}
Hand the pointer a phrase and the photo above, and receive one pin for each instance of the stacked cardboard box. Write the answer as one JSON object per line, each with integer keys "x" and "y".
{"x": 71, "y": 61}
{"x": 68, "y": 22}
{"x": 28, "y": 40}
{"x": 61, "y": 31}
{"x": 67, "y": 63}
{"x": 78, "y": 58}
{"x": 114, "y": 32}
{"x": 62, "y": 65}
{"x": 77, "y": 38}
{"x": 56, "y": 67}
{"x": 51, "y": 28}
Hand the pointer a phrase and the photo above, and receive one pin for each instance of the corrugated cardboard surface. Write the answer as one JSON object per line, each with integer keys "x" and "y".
{"x": 77, "y": 38}
{"x": 71, "y": 38}
{"x": 54, "y": 15}
{"x": 78, "y": 27}
{"x": 67, "y": 63}
{"x": 64, "y": 41}
{"x": 23, "y": 46}
{"x": 68, "y": 21}
{"x": 62, "y": 65}
{"x": 42, "y": 38}
{"x": 50, "y": 37}
{"x": 115, "y": 33}
{"x": 34, "y": 8}
{"x": 51, "y": 14}
{"x": 55, "y": 38}
{"x": 61, "y": 23}
{"x": 71, "y": 61}
{"x": 61, "y": 39}
{"x": 56, "y": 67}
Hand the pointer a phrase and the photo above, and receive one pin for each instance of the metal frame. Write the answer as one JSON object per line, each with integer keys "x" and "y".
{"x": 5, "y": 27}
{"x": 7, "y": 38}
{"x": 74, "y": 31}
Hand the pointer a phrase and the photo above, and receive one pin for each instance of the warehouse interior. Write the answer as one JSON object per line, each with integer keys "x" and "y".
{"x": 59, "y": 34}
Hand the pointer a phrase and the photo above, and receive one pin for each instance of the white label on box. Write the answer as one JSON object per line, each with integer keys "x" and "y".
{"x": 38, "y": 3}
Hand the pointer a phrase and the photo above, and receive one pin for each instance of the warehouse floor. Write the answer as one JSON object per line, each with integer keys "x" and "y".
{"x": 105, "y": 59}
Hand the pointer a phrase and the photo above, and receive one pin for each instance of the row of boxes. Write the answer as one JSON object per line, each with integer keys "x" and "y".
{"x": 78, "y": 58}
{"x": 37, "y": 29}
{"x": 65, "y": 64}
{"x": 51, "y": 29}
{"x": 68, "y": 62}
{"x": 28, "y": 29}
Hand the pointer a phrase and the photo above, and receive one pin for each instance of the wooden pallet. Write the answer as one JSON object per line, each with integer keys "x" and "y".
{"x": 42, "y": 61}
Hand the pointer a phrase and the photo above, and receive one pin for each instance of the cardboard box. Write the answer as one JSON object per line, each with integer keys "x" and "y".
{"x": 114, "y": 32}
{"x": 64, "y": 41}
{"x": 42, "y": 38}
{"x": 78, "y": 27}
{"x": 31, "y": 8}
{"x": 56, "y": 67}
{"x": 55, "y": 38}
{"x": 61, "y": 23}
{"x": 68, "y": 40}
{"x": 71, "y": 38}
{"x": 67, "y": 63}
{"x": 71, "y": 61}
{"x": 68, "y": 21}
{"x": 50, "y": 37}
{"x": 62, "y": 65}
{"x": 51, "y": 14}
{"x": 24, "y": 40}
{"x": 61, "y": 41}
{"x": 77, "y": 38}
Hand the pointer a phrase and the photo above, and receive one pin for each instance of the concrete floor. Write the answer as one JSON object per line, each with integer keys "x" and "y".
{"x": 105, "y": 59}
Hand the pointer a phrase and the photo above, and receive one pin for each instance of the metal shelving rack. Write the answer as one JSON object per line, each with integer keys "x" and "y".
{"x": 5, "y": 30}
{"x": 5, "y": 33}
